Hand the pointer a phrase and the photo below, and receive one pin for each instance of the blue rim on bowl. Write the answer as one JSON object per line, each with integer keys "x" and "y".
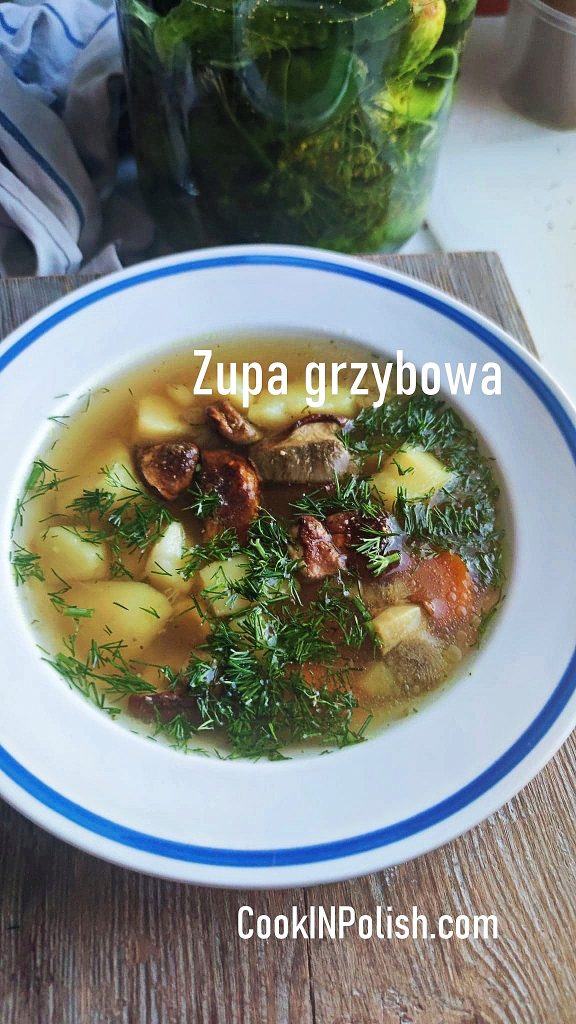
{"x": 403, "y": 829}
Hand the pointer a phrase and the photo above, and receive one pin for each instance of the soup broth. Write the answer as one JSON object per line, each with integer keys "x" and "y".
{"x": 258, "y": 580}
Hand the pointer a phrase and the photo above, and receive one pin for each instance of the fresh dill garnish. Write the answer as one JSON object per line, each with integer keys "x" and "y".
{"x": 466, "y": 529}
{"x": 374, "y": 545}
{"x": 61, "y": 605}
{"x": 260, "y": 701}
{"x": 85, "y": 535}
{"x": 95, "y": 502}
{"x": 137, "y": 519}
{"x": 464, "y": 519}
{"x": 249, "y": 676}
{"x": 104, "y": 673}
{"x": 405, "y": 471}
{"x": 88, "y": 396}
{"x": 202, "y": 503}
{"x": 79, "y": 677}
{"x": 352, "y": 494}
{"x": 41, "y": 479}
{"x": 272, "y": 570}
{"x": 177, "y": 732}
{"x": 301, "y": 638}
{"x": 25, "y": 565}
{"x": 224, "y": 545}
{"x": 342, "y": 606}
{"x": 117, "y": 568}
{"x": 151, "y": 611}
{"x": 70, "y": 610}
{"x": 419, "y": 421}
{"x": 159, "y": 570}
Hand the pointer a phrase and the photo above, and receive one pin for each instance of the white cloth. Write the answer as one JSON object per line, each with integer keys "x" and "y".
{"x": 61, "y": 96}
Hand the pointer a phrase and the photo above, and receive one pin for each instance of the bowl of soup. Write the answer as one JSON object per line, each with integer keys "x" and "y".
{"x": 263, "y": 505}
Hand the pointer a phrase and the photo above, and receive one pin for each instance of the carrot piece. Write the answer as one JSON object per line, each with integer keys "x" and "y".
{"x": 445, "y": 588}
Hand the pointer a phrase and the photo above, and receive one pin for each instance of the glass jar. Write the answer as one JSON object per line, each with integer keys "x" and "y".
{"x": 296, "y": 121}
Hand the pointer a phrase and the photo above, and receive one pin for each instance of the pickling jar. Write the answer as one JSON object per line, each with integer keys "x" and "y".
{"x": 295, "y": 121}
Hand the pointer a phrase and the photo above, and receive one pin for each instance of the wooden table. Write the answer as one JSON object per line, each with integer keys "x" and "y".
{"x": 82, "y": 942}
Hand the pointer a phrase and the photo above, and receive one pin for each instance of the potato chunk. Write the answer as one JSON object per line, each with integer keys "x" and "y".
{"x": 420, "y": 474}
{"x": 273, "y": 411}
{"x": 181, "y": 394}
{"x": 73, "y": 556}
{"x": 215, "y": 579}
{"x": 109, "y": 468}
{"x": 165, "y": 560}
{"x": 276, "y": 411}
{"x": 377, "y": 682}
{"x": 158, "y": 418}
{"x": 395, "y": 623}
{"x": 123, "y": 610}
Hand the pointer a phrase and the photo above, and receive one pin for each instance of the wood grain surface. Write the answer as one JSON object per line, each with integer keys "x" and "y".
{"x": 83, "y": 942}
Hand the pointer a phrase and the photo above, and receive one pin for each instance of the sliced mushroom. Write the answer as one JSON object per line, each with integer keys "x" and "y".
{"x": 231, "y": 424}
{"x": 418, "y": 663}
{"x": 238, "y": 486}
{"x": 167, "y": 468}
{"x": 149, "y": 707}
{"x": 309, "y": 452}
{"x": 345, "y": 528}
{"x": 339, "y": 422}
{"x": 320, "y": 555}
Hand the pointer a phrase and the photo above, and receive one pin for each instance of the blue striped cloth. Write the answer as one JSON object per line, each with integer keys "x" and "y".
{"x": 60, "y": 102}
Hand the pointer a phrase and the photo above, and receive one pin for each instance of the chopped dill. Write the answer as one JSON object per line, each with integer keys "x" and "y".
{"x": 467, "y": 529}
{"x": 151, "y": 611}
{"x": 104, "y": 673}
{"x": 405, "y": 471}
{"x": 178, "y": 732}
{"x": 250, "y": 682}
{"x": 352, "y": 494}
{"x": 374, "y": 546}
{"x": 159, "y": 570}
{"x": 61, "y": 605}
{"x": 464, "y": 520}
{"x": 70, "y": 610}
{"x": 224, "y": 545}
{"x": 25, "y": 565}
{"x": 261, "y": 702}
{"x": 420, "y": 421}
{"x": 42, "y": 478}
{"x": 342, "y": 606}
{"x": 137, "y": 519}
{"x": 202, "y": 503}
{"x": 272, "y": 570}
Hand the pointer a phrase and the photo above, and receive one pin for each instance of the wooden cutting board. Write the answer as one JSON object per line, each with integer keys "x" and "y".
{"x": 83, "y": 942}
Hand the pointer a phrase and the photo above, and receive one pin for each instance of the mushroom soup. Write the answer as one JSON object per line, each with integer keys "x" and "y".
{"x": 258, "y": 581}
